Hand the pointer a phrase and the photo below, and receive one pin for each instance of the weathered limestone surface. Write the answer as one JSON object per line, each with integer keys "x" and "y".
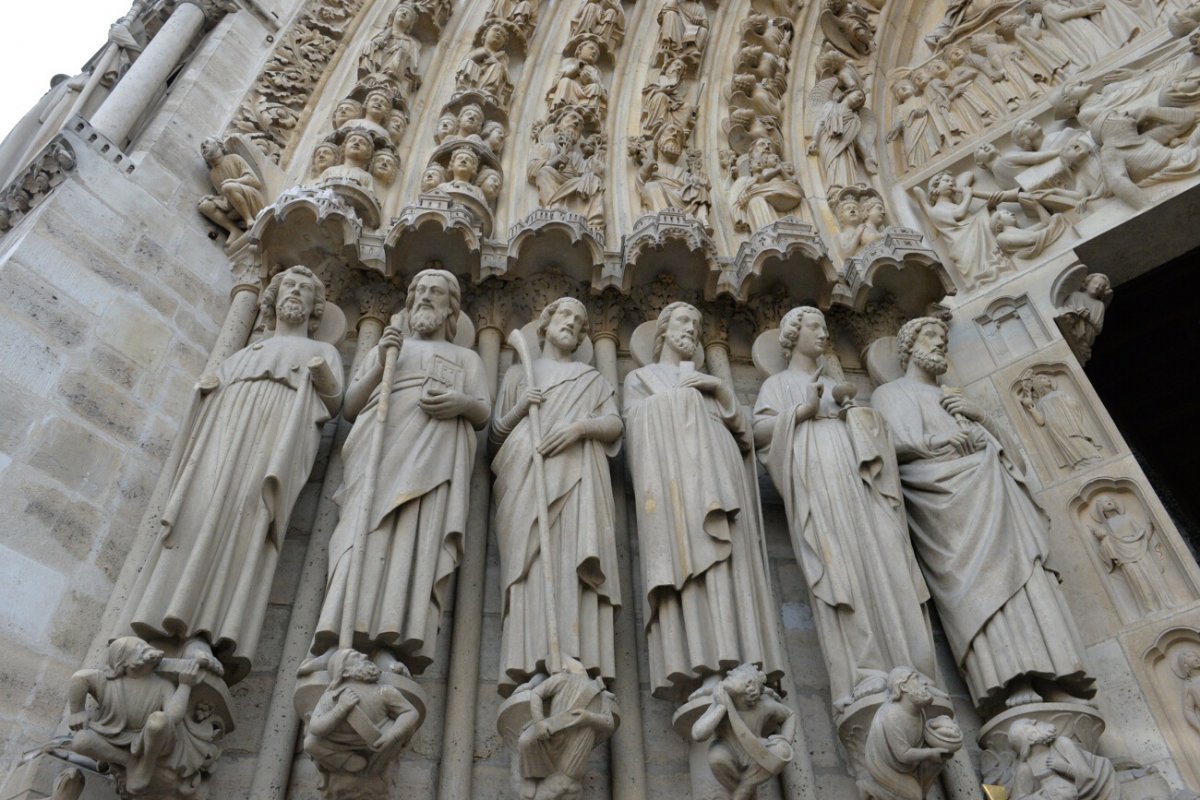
{"x": 1001, "y": 167}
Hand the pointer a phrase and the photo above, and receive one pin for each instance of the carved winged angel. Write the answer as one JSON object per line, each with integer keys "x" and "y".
{"x": 845, "y": 132}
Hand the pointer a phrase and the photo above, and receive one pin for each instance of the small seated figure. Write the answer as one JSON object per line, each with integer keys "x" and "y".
{"x": 140, "y": 719}
{"x": 1030, "y": 242}
{"x": 360, "y": 724}
{"x": 904, "y": 751}
{"x": 239, "y": 195}
{"x": 554, "y": 749}
{"x": 751, "y": 732}
{"x": 1054, "y": 766}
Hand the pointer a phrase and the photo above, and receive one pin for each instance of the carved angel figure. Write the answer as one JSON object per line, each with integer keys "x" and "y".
{"x": 905, "y": 752}
{"x": 847, "y": 26}
{"x": 751, "y": 732}
{"x": 143, "y": 722}
{"x": 1125, "y": 546}
{"x": 1060, "y": 415}
{"x": 844, "y": 136}
{"x": 972, "y": 249}
{"x": 239, "y": 195}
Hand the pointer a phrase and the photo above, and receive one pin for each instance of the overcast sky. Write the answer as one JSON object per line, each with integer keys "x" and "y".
{"x": 41, "y": 38}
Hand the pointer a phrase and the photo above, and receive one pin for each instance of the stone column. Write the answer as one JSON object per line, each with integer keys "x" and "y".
{"x": 137, "y": 89}
{"x": 462, "y": 685}
{"x": 277, "y": 753}
{"x": 627, "y": 748}
{"x": 243, "y": 310}
{"x": 716, "y": 354}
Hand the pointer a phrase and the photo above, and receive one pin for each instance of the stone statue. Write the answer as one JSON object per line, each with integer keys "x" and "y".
{"x": 395, "y": 52}
{"x": 844, "y": 138}
{"x": 1124, "y": 544}
{"x": 1050, "y": 766}
{"x": 604, "y": 19}
{"x": 683, "y": 30}
{"x": 979, "y": 536}
{"x": 581, "y": 429}
{"x": 357, "y": 728}
{"x": 358, "y": 148}
{"x": 1188, "y": 669}
{"x": 751, "y": 732}
{"x": 239, "y": 195}
{"x": 415, "y": 524}
{"x": 905, "y": 752}
{"x": 1073, "y": 27}
{"x": 1081, "y": 317}
{"x": 764, "y": 187}
{"x": 578, "y": 83}
{"x": 143, "y": 723}
{"x": 554, "y": 747}
{"x": 666, "y": 178}
{"x": 709, "y": 603}
{"x": 918, "y": 136}
{"x": 1059, "y": 414}
{"x": 662, "y": 98}
{"x": 252, "y": 437}
{"x": 564, "y": 173}
{"x": 834, "y": 464}
{"x": 325, "y": 155}
{"x": 970, "y": 243}
{"x": 1135, "y": 150}
{"x": 384, "y": 167}
{"x": 485, "y": 68}
{"x": 847, "y": 26}
{"x": 1031, "y": 241}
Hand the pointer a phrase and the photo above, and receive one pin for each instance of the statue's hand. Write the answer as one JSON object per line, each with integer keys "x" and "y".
{"x": 445, "y": 403}
{"x": 543, "y": 730}
{"x": 701, "y": 382}
{"x": 960, "y": 405}
{"x": 392, "y": 337}
{"x": 78, "y": 720}
{"x": 560, "y": 439}
{"x": 190, "y": 674}
{"x": 1056, "y": 763}
{"x": 348, "y": 699}
{"x": 530, "y": 397}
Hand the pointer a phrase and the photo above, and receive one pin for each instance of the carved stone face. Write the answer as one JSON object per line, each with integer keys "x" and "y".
{"x": 751, "y": 691}
{"x": 212, "y": 150}
{"x": 384, "y": 168}
{"x": 294, "y": 302}
{"x": 433, "y": 177}
{"x": 812, "y": 335}
{"x": 346, "y": 111}
{"x": 1028, "y": 134}
{"x": 572, "y": 125}
{"x": 905, "y": 91}
{"x": 358, "y": 667}
{"x": 1096, "y": 285}
{"x": 405, "y": 19}
{"x": 875, "y": 212}
{"x": 929, "y": 349}
{"x": 683, "y": 331}
{"x": 378, "y": 107}
{"x": 470, "y": 120}
{"x": 431, "y": 304}
{"x": 1194, "y": 43}
{"x": 848, "y": 213}
{"x": 855, "y": 99}
{"x": 1005, "y": 218}
{"x": 917, "y": 691}
{"x": 1043, "y": 384}
{"x": 357, "y": 149}
{"x": 939, "y": 68}
{"x": 446, "y": 126}
{"x": 566, "y": 325}
{"x": 324, "y": 157}
{"x": 588, "y": 52}
{"x": 495, "y": 37}
{"x": 494, "y": 134}
{"x": 956, "y": 55}
{"x": 463, "y": 165}
{"x": 670, "y": 141}
{"x": 986, "y": 153}
{"x": 490, "y": 184}
{"x": 1107, "y": 506}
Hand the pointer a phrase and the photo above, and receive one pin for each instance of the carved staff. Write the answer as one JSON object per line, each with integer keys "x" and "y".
{"x": 359, "y": 555}
{"x": 516, "y": 340}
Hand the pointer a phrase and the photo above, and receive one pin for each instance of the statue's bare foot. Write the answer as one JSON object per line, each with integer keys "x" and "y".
{"x": 400, "y": 669}
{"x": 1021, "y": 694}
{"x": 1056, "y": 694}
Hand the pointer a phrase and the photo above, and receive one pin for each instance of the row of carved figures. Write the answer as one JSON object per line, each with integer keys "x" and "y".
{"x": 918, "y": 468}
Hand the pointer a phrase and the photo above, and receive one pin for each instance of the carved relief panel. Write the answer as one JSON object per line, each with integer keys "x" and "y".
{"x": 1173, "y": 664}
{"x": 1057, "y": 421}
{"x": 1141, "y": 567}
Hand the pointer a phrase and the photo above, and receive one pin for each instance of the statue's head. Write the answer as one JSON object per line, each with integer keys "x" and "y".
{"x": 907, "y": 682}
{"x": 470, "y": 119}
{"x": 856, "y": 99}
{"x": 495, "y": 37}
{"x": 212, "y": 149}
{"x": 378, "y": 105}
{"x": 494, "y": 134}
{"x": 1002, "y": 219}
{"x": 433, "y": 300}
{"x": 345, "y": 111}
{"x": 848, "y": 212}
{"x": 941, "y": 184}
{"x": 385, "y": 166}
{"x": 924, "y": 339}
{"x": 904, "y": 90}
{"x": 404, "y": 18}
{"x": 433, "y": 177}
{"x": 293, "y": 295}
{"x": 325, "y": 155}
{"x": 803, "y": 328}
{"x": 490, "y": 182}
{"x": 588, "y": 51}
{"x": 1028, "y": 134}
{"x": 670, "y": 139}
{"x": 1188, "y": 663}
{"x": 745, "y": 684}
{"x": 131, "y": 655}
{"x": 874, "y": 210}
{"x": 464, "y": 164}
{"x": 563, "y": 322}
{"x": 1026, "y": 734}
{"x": 351, "y": 665}
{"x": 1107, "y": 506}
{"x": 1097, "y": 285}
{"x": 571, "y": 123}
{"x": 678, "y": 327}
{"x": 447, "y": 124}
{"x": 985, "y": 154}
{"x": 357, "y": 149}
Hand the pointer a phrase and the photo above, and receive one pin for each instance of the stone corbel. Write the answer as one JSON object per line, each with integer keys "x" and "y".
{"x": 900, "y": 249}
{"x": 214, "y": 10}
{"x": 790, "y": 250}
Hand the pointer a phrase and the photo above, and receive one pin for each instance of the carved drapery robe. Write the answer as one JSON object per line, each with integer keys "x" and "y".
{"x": 579, "y": 493}
{"x": 419, "y": 513}
{"x": 981, "y": 541}
{"x": 1125, "y": 547}
{"x": 842, "y": 495}
{"x": 1067, "y": 430}
{"x": 253, "y": 442}
{"x": 709, "y": 605}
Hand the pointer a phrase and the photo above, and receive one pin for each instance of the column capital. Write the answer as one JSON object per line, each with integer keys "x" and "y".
{"x": 213, "y": 10}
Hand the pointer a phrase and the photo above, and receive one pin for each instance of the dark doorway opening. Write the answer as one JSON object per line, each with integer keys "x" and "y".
{"x": 1144, "y": 367}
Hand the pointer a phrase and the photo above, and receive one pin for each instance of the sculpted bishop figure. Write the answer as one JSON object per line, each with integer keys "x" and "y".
{"x": 253, "y": 433}
{"x": 580, "y": 429}
{"x": 709, "y": 604}
{"x": 418, "y": 509}
{"x": 980, "y": 537}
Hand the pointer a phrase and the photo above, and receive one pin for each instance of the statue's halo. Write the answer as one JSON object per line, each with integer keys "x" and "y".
{"x": 332, "y": 329}
{"x": 767, "y": 354}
